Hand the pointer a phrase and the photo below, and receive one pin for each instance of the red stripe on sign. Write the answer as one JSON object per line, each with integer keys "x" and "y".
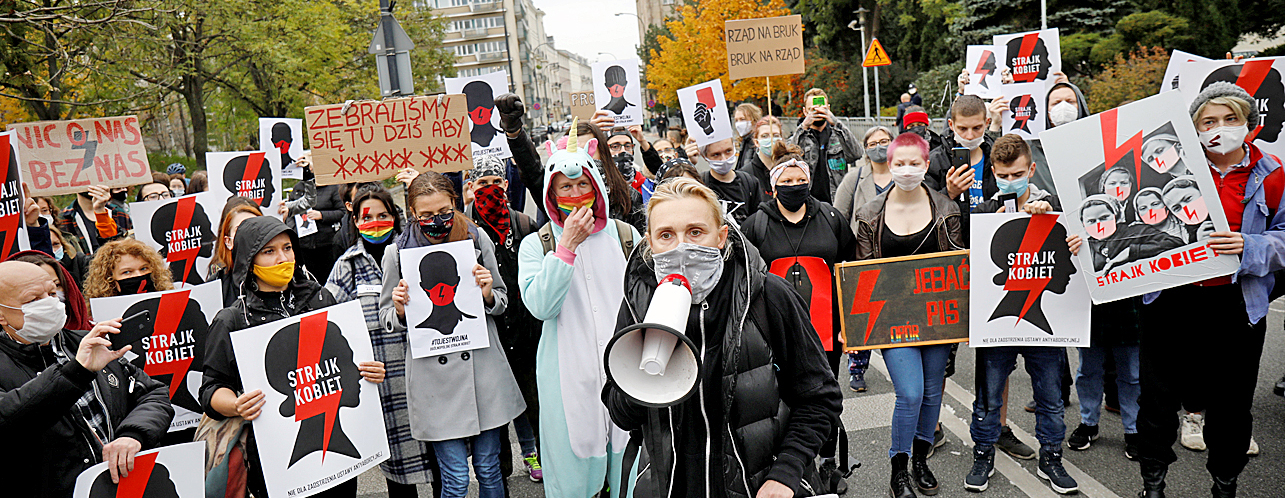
{"x": 312, "y": 336}
{"x": 1111, "y": 152}
{"x": 253, "y": 163}
{"x": 1028, "y": 46}
{"x": 1037, "y": 231}
{"x": 168, "y": 314}
{"x": 183, "y": 210}
{"x": 134, "y": 485}
{"x": 9, "y": 223}
{"x": 1252, "y": 74}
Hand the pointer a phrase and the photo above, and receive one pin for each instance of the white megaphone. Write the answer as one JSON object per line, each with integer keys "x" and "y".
{"x": 653, "y": 362}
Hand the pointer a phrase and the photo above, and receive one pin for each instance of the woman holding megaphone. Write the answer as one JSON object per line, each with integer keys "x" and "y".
{"x": 754, "y": 424}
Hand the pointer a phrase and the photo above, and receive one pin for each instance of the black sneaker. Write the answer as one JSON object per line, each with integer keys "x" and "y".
{"x": 1280, "y": 387}
{"x": 858, "y": 383}
{"x": 1083, "y": 437}
{"x": 983, "y": 468}
{"x": 1131, "y": 447}
{"x": 1051, "y": 469}
{"x": 1008, "y": 443}
{"x": 939, "y": 440}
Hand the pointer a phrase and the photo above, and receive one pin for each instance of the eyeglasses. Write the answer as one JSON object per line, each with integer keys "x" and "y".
{"x": 158, "y": 196}
{"x": 878, "y": 143}
{"x": 426, "y": 217}
{"x": 628, "y": 147}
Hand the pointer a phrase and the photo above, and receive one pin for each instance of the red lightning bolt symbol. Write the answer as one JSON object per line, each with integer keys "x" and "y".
{"x": 1023, "y": 102}
{"x": 312, "y": 335}
{"x": 8, "y": 223}
{"x": 1028, "y": 46}
{"x": 1251, "y": 77}
{"x": 252, "y": 165}
{"x": 135, "y": 484}
{"x": 168, "y": 313}
{"x": 1114, "y": 153}
{"x": 182, "y": 220}
{"x": 1036, "y": 233}
{"x": 861, "y": 302}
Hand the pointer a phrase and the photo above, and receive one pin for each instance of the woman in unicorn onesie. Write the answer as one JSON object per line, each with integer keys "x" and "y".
{"x": 571, "y": 275}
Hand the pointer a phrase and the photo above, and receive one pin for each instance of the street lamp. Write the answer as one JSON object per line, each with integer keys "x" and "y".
{"x": 861, "y": 14}
{"x": 613, "y": 56}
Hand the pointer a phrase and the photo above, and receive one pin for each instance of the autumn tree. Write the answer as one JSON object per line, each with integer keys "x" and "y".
{"x": 1136, "y": 77}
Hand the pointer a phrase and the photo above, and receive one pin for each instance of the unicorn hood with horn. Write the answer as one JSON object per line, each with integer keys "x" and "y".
{"x": 573, "y": 160}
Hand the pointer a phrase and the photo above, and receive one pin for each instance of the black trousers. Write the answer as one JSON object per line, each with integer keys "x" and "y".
{"x": 1208, "y": 323}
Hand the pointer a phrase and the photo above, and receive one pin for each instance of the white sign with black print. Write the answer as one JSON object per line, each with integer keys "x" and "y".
{"x": 255, "y": 175}
{"x": 1135, "y": 189}
{"x": 484, "y": 122}
{"x": 982, "y": 64}
{"x": 185, "y": 230}
{"x": 1261, "y": 77}
{"x": 1176, "y": 60}
{"x": 445, "y": 312}
{"x": 284, "y": 135}
{"x": 617, "y": 89}
{"x": 703, "y": 105}
{"x": 176, "y": 471}
{"x": 1025, "y": 113}
{"x": 1030, "y": 56}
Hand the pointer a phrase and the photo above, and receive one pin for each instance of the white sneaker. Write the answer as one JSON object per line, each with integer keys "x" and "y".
{"x": 1253, "y": 447}
{"x": 1193, "y": 431}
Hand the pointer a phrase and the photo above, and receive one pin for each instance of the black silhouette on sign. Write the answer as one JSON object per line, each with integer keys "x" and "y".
{"x": 176, "y": 346}
{"x": 282, "y": 140}
{"x": 184, "y": 232}
{"x": 481, "y": 104}
{"x": 250, "y": 176}
{"x": 615, "y": 79}
{"x": 317, "y": 375}
{"x": 1040, "y": 261}
{"x": 1262, "y": 81}
{"x": 438, "y": 279}
{"x": 1028, "y": 58}
{"x": 156, "y": 481}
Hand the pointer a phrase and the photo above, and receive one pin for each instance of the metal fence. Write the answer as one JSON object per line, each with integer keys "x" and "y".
{"x": 857, "y": 126}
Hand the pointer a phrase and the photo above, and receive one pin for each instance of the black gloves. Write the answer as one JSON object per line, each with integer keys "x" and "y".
{"x": 511, "y": 109}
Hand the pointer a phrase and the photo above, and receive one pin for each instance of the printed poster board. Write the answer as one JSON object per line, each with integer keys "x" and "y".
{"x": 321, "y": 424}
{"x": 184, "y": 230}
{"x": 1025, "y": 113}
{"x": 445, "y": 313}
{"x": 484, "y": 123}
{"x": 65, "y": 157}
{"x": 906, "y": 301}
{"x": 582, "y": 105}
{"x": 982, "y": 64}
{"x": 617, "y": 89}
{"x": 1031, "y": 56}
{"x": 13, "y": 224}
{"x": 255, "y": 175}
{"x": 705, "y": 108}
{"x": 371, "y": 140}
{"x": 1261, "y": 77}
{"x": 1176, "y": 60}
{"x": 175, "y": 352}
{"x": 1135, "y": 188}
{"x": 1024, "y": 290}
{"x": 769, "y": 46}
{"x": 176, "y": 471}
{"x": 285, "y": 136}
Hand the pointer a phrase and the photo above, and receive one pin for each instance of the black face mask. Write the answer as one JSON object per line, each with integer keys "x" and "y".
{"x": 136, "y": 285}
{"x": 120, "y": 196}
{"x": 792, "y": 197}
{"x": 625, "y": 163}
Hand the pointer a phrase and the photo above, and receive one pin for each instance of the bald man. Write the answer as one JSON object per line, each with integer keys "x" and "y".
{"x": 67, "y": 401}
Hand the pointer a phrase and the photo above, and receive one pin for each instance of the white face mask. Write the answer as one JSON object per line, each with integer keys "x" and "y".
{"x": 43, "y": 318}
{"x": 970, "y": 144}
{"x": 724, "y": 166}
{"x": 702, "y": 266}
{"x": 1064, "y": 112}
{"x": 908, "y": 177}
{"x": 1224, "y": 139}
{"x": 742, "y": 128}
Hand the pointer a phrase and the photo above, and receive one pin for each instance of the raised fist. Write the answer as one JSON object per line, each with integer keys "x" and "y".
{"x": 511, "y": 109}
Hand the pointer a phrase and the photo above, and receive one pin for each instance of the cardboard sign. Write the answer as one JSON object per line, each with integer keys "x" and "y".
{"x": 1172, "y": 71}
{"x": 484, "y": 123}
{"x": 1031, "y": 56}
{"x": 1025, "y": 113}
{"x": 1023, "y": 287}
{"x": 255, "y": 175}
{"x": 617, "y": 89}
{"x": 175, "y": 352}
{"x": 445, "y": 313}
{"x": 769, "y": 46}
{"x": 65, "y": 157}
{"x": 13, "y": 224}
{"x": 184, "y": 230}
{"x": 1145, "y": 217}
{"x": 1261, "y": 77}
{"x": 582, "y": 105}
{"x": 176, "y": 471}
{"x": 907, "y": 301}
{"x": 284, "y": 135}
{"x": 376, "y": 138}
{"x": 704, "y": 106}
{"x": 982, "y": 63}
{"x": 876, "y": 56}
{"x": 321, "y": 423}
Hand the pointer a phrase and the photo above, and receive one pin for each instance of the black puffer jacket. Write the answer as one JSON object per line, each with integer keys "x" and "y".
{"x": 48, "y": 443}
{"x": 767, "y": 393}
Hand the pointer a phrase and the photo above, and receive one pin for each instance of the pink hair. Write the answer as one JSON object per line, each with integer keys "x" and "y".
{"x": 909, "y": 140}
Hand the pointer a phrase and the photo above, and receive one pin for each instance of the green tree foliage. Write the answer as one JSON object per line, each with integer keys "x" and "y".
{"x": 1149, "y": 29}
{"x": 1134, "y": 77}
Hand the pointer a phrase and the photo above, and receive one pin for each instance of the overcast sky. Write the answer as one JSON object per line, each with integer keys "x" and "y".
{"x": 588, "y": 27}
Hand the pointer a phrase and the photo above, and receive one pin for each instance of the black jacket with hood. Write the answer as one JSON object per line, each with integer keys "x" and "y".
{"x": 939, "y": 163}
{"x": 767, "y": 392}
{"x": 48, "y": 443}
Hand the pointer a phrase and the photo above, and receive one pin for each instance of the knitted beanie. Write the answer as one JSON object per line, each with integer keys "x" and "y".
{"x": 1225, "y": 89}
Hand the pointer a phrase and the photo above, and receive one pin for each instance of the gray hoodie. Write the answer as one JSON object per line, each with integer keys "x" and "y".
{"x": 1043, "y": 178}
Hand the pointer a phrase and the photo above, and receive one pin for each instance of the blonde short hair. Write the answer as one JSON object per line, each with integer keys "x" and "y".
{"x": 1238, "y": 107}
{"x": 807, "y": 97}
{"x": 684, "y": 188}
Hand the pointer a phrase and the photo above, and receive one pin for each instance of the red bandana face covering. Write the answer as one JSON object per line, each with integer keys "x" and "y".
{"x": 441, "y": 294}
{"x": 493, "y": 206}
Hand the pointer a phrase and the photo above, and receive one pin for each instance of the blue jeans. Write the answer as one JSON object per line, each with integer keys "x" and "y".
{"x": 1088, "y": 383}
{"x": 918, "y": 376}
{"x": 452, "y": 457}
{"x": 1044, "y": 364}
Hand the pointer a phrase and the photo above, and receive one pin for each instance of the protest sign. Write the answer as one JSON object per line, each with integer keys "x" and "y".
{"x": 255, "y": 175}
{"x": 371, "y": 140}
{"x": 176, "y": 471}
{"x": 445, "y": 307}
{"x": 1023, "y": 289}
{"x": 769, "y": 46}
{"x": 285, "y": 136}
{"x": 174, "y": 353}
{"x": 703, "y": 105}
{"x": 1025, "y": 113}
{"x": 1031, "y": 56}
{"x": 306, "y": 366}
{"x": 905, "y": 301}
{"x": 983, "y": 71}
{"x": 582, "y": 105}
{"x": 1176, "y": 61}
{"x": 65, "y": 157}
{"x": 1261, "y": 77}
{"x": 184, "y": 230}
{"x": 13, "y": 224}
{"x": 484, "y": 122}
{"x": 1135, "y": 188}
{"x": 617, "y": 89}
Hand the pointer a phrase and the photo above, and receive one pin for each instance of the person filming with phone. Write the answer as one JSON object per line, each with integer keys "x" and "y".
{"x": 828, "y": 146}
{"x": 66, "y": 401}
